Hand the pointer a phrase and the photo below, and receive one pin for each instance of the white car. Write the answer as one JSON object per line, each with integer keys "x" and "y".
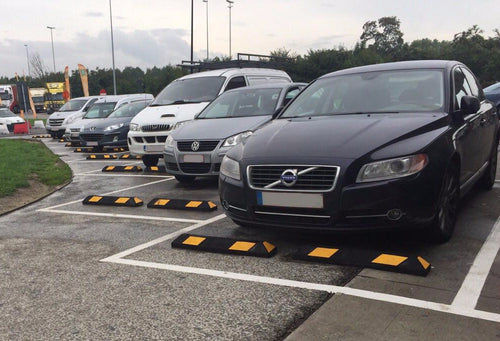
{"x": 71, "y": 111}
{"x": 182, "y": 100}
{"x": 9, "y": 119}
{"x": 99, "y": 110}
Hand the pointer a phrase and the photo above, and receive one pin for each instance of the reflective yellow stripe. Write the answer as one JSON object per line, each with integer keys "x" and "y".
{"x": 154, "y": 168}
{"x": 161, "y": 202}
{"x": 137, "y": 200}
{"x": 211, "y": 204}
{"x": 92, "y": 156}
{"x": 121, "y": 200}
{"x": 191, "y": 240}
{"x": 193, "y": 204}
{"x": 322, "y": 252}
{"x": 242, "y": 246}
{"x": 110, "y": 167}
{"x": 269, "y": 247}
{"x": 126, "y": 156}
{"x": 106, "y": 156}
{"x": 389, "y": 259}
{"x": 95, "y": 199}
{"x": 424, "y": 263}
{"x": 129, "y": 167}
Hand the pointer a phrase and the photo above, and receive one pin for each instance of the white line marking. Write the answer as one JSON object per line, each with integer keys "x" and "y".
{"x": 77, "y": 160}
{"x": 126, "y": 216}
{"x": 126, "y": 175}
{"x": 162, "y": 239}
{"x": 100, "y": 169}
{"x": 472, "y": 286}
{"x": 313, "y": 286}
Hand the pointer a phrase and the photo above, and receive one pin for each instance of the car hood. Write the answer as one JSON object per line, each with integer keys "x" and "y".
{"x": 219, "y": 128}
{"x": 343, "y": 136}
{"x": 63, "y": 114}
{"x": 104, "y": 123}
{"x": 11, "y": 120}
{"x": 168, "y": 114}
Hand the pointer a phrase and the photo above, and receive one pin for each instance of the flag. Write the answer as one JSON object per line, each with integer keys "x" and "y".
{"x": 66, "y": 79}
{"x": 85, "y": 79}
{"x": 32, "y": 105}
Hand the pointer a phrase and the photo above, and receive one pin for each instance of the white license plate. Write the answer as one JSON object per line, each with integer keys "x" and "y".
{"x": 197, "y": 158}
{"x": 92, "y": 143}
{"x": 74, "y": 134}
{"x": 153, "y": 148}
{"x": 282, "y": 199}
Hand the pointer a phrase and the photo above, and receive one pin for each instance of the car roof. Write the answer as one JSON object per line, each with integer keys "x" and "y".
{"x": 413, "y": 64}
{"x": 237, "y": 71}
{"x": 269, "y": 85}
{"x": 87, "y": 97}
{"x": 117, "y": 98}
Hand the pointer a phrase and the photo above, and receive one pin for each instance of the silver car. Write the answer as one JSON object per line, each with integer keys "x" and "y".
{"x": 197, "y": 147}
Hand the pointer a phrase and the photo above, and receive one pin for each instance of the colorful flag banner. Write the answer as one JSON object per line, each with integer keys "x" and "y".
{"x": 85, "y": 79}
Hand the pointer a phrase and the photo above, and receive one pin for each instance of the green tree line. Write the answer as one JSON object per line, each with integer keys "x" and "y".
{"x": 381, "y": 41}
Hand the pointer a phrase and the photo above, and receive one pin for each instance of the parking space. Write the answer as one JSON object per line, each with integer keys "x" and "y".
{"x": 242, "y": 296}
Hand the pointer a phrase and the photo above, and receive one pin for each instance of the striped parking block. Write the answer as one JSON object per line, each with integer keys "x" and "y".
{"x": 182, "y": 204}
{"x": 414, "y": 265}
{"x": 115, "y": 149}
{"x": 225, "y": 245}
{"x": 41, "y": 136}
{"x": 61, "y": 140}
{"x": 84, "y": 150}
{"x": 122, "y": 169}
{"x": 128, "y": 156}
{"x": 155, "y": 169}
{"x": 101, "y": 157}
{"x": 112, "y": 201}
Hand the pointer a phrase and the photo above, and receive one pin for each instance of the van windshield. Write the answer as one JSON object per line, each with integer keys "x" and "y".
{"x": 5, "y": 96}
{"x": 191, "y": 90}
{"x": 73, "y": 105}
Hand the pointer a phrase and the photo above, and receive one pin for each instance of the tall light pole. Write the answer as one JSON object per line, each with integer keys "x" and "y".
{"x": 206, "y": 1}
{"x": 230, "y": 5}
{"x": 112, "y": 48}
{"x": 192, "y": 16}
{"x": 51, "y": 28}
{"x": 28, "y": 60}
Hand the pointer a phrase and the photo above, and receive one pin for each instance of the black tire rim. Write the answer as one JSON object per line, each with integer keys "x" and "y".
{"x": 449, "y": 202}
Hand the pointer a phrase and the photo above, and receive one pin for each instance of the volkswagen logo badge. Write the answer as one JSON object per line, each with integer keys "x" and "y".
{"x": 289, "y": 177}
{"x": 195, "y": 146}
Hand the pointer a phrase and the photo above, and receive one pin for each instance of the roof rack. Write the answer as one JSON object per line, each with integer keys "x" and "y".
{"x": 242, "y": 60}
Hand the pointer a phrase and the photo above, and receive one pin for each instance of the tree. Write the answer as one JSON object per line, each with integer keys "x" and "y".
{"x": 385, "y": 35}
{"x": 38, "y": 67}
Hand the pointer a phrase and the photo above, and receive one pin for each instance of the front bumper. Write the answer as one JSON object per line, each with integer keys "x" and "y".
{"x": 147, "y": 143}
{"x": 175, "y": 162}
{"x": 115, "y": 138}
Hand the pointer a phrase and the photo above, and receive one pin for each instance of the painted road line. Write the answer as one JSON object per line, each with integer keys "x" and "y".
{"x": 121, "y": 175}
{"x": 472, "y": 286}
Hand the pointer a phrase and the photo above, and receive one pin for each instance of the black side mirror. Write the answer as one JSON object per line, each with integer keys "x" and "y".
{"x": 469, "y": 105}
{"x": 277, "y": 112}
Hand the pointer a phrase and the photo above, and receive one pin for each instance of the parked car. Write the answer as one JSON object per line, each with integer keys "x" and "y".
{"x": 197, "y": 147}
{"x": 99, "y": 110}
{"x": 492, "y": 93}
{"x": 112, "y": 131}
{"x": 71, "y": 111}
{"x": 182, "y": 99}
{"x": 9, "y": 119}
{"x": 382, "y": 146}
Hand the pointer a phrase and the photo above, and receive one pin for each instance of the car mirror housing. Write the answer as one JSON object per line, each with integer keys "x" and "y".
{"x": 469, "y": 105}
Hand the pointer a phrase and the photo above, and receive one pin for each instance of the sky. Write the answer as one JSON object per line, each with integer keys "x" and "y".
{"x": 151, "y": 33}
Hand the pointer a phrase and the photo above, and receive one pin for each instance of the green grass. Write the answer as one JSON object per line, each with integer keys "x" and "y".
{"x": 22, "y": 160}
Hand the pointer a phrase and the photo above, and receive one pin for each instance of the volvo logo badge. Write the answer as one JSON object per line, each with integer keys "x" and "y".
{"x": 289, "y": 177}
{"x": 195, "y": 146}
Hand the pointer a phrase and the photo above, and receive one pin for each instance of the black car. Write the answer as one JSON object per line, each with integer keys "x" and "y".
{"x": 382, "y": 146}
{"x": 112, "y": 131}
{"x": 493, "y": 94}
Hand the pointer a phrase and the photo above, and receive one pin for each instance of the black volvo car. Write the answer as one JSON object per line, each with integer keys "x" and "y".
{"x": 382, "y": 146}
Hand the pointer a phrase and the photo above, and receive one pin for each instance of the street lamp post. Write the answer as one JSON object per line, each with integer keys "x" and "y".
{"x": 51, "y": 28}
{"x": 192, "y": 16}
{"x": 206, "y": 1}
{"x": 28, "y": 60}
{"x": 230, "y": 5}
{"x": 112, "y": 48}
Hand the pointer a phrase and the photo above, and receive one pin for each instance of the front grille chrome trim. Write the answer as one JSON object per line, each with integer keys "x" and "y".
{"x": 309, "y": 168}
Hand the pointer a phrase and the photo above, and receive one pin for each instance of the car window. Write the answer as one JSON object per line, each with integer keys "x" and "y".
{"x": 472, "y": 82}
{"x": 290, "y": 95}
{"x": 492, "y": 87}
{"x": 73, "y": 105}
{"x": 5, "y": 96}
{"x": 461, "y": 87}
{"x": 129, "y": 110}
{"x": 6, "y": 113}
{"x": 190, "y": 90}
{"x": 90, "y": 103}
{"x": 100, "y": 110}
{"x": 236, "y": 82}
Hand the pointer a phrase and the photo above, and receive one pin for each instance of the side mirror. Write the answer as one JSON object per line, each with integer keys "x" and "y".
{"x": 469, "y": 105}
{"x": 277, "y": 112}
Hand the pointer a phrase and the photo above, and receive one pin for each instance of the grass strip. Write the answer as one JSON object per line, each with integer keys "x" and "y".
{"x": 22, "y": 160}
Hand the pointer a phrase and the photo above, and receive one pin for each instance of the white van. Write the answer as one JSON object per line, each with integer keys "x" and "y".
{"x": 6, "y": 95}
{"x": 100, "y": 109}
{"x": 71, "y": 111}
{"x": 182, "y": 99}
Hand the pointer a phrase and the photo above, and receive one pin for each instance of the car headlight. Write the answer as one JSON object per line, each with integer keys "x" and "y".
{"x": 235, "y": 139}
{"x": 134, "y": 127}
{"x": 82, "y": 128}
{"x": 230, "y": 168}
{"x": 114, "y": 127}
{"x": 178, "y": 124}
{"x": 169, "y": 142}
{"x": 393, "y": 168}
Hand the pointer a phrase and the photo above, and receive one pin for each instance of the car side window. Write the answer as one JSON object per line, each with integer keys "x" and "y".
{"x": 236, "y": 82}
{"x": 290, "y": 95}
{"x": 474, "y": 86}
{"x": 89, "y": 104}
{"x": 461, "y": 87}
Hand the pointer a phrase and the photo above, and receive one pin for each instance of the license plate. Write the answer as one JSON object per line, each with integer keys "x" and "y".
{"x": 153, "y": 148}
{"x": 298, "y": 200}
{"x": 193, "y": 158}
{"x": 75, "y": 134}
{"x": 92, "y": 143}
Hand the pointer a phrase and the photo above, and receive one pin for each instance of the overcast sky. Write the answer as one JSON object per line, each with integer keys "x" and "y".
{"x": 157, "y": 32}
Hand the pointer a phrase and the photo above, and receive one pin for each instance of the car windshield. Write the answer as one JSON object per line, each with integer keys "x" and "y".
{"x": 6, "y": 113}
{"x": 56, "y": 97}
{"x": 492, "y": 88}
{"x": 191, "y": 90}
{"x": 5, "y": 96}
{"x": 38, "y": 99}
{"x": 129, "y": 110}
{"x": 100, "y": 110}
{"x": 241, "y": 103}
{"x": 371, "y": 92}
{"x": 73, "y": 105}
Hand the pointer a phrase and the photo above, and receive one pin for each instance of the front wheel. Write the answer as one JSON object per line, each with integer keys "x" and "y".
{"x": 150, "y": 160}
{"x": 488, "y": 179}
{"x": 443, "y": 224}
{"x": 185, "y": 179}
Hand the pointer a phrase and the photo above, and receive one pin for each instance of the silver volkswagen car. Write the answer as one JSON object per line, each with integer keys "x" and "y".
{"x": 197, "y": 147}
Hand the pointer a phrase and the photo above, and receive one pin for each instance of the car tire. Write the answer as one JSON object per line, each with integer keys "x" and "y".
{"x": 488, "y": 179}
{"x": 442, "y": 226}
{"x": 150, "y": 160}
{"x": 185, "y": 179}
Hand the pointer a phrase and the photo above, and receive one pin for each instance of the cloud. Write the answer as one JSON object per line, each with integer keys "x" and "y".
{"x": 92, "y": 14}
